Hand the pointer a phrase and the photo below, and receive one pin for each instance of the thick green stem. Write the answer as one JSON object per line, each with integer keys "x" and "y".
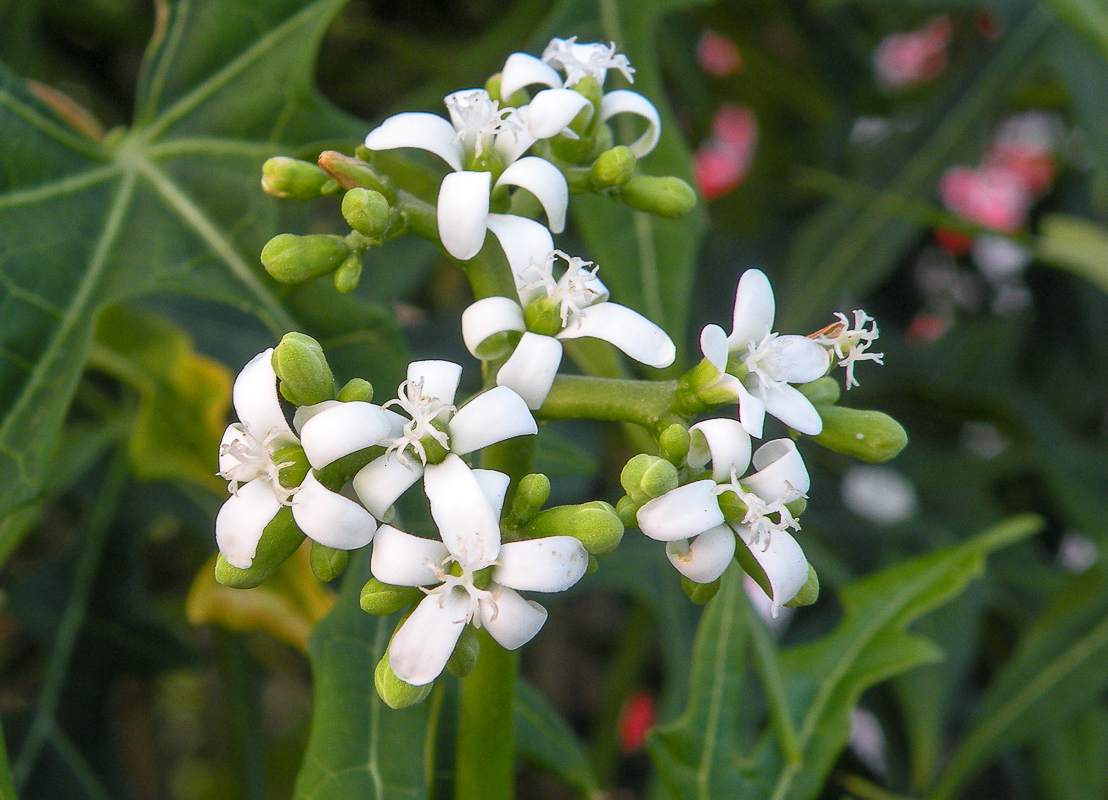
{"x": 614, "y": 399}
{"x": 486, "y": 739}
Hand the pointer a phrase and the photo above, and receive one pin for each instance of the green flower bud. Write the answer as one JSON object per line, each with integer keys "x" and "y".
{"x": 700, "y": 593}
{"x": 295, "y": 259}
{"x": 464, "y": 658}
{"x": 543, "y": 316}
{"x": 627, "y": 509}
{"x": 573, "y": 150}
{"x": 279, "y": 541}
{"x": 349, "y": 273}
{"x": 593, "y": 566}
{"x": 395, "y": 692}
{"x": 646, "y": 477}
{"x": 301, "y": 365}
{"x": 867, "y": 435}
{"x": 356, "y": 389}
{"x": 808, "y": 593}
{"x": 327, "y": 562}
{"x": 531, "y": 495}
{"x": 367, "y": 212}
{"x": 354, "y": 172}
{"x": 596, "y": 525}
{"x": 674, "y": 443}
{"x": 293, "y": 179}
{"x": 613, "y": 168}
{"x": 822, "y": 391}
{"x": 666, "y": 196}
{"x": 381, "y": 599}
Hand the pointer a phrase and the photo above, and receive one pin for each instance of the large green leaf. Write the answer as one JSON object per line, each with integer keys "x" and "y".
{"x": 172, "y": 204}
{"x": 545, "y": 740}
{"x": 702, "y": 755}
{"x": 1087, "y": 17}
{"x": 359, "y": 747}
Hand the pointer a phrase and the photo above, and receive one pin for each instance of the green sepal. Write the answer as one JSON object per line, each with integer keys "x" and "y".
{"x": 356, "y": 390}
{"x": 336, "y": 474}
{"x": 613, "y": 168}
{"x": 327, "y": 562}
{"x": 666, "y": 196}
{"x": 531, "y": 495}
{"x": 367, "y": 211}
{"x": 464, "y": 658}
{"x": 731, "y": 506}
{"x": 279, "y": 541}
{"x": 593, "y": 92}
{"x": 595, "y": 524}
{"x": 797, "y": 506}
{"x": 673, "y": 442}
{"x": 298, "y": 466}
{"x": 292, "y": 179}
{"x": 593, "y": 566}
{"x": 349, "y": 273}
{"x": 289, "y": 258}
{"x": 700, "y": 593}
{"x": 543, "y": 316}
{"x": 822, "y": 391}
{"x": 628, "y": 510}
{"x": 396, "y": 693}
{"x": 381, "y": 599}
{"x": 870, "y": 436}
{"x": 300, "y": 363}
{"x": 808, "y": 593}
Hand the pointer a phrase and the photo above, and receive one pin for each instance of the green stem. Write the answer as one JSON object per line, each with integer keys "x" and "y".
{"x": 768, "y": 667}
{"x": 614, "y": 399}
{"x": 486, "y": 738}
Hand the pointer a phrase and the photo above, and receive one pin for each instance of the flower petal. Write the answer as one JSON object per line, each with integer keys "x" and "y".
{"x": 532, "y": 367}
{"x": 704, "y": 558}
{"x": 783, "y": 562}
{"x": 723, "y": 442}
{"x": 540, "y": 178}
{"x": 801, "y": 359}
{"x": 713, "y": 344}
{"x": 486, "y": 318}
{"x": 380, "y": 482}
{"x": 329, "y": 518}
{"x": 488, "y": 418}
{"x": 525, "y": 243}
{"x": 494, "y": 485}
{"x": 256, "y": 401}
{"x": 341, "y": 430}
{"x": 523, "y": 69}
{"x": 419, "y": 129}
{"x": 754, "y": 310}
{"x": 419, "y": 651}
{"x": 401, "y": 559}
{"x": 547, "y": 115}
{"x": 515, "y": 621}
{"x": 467, "y": 524}
{"x": 752, "y": 411}
{"x": 440, "y": 378}
{"x": 464, "y": 212}
{"x": 790, "y": 406}
{"x": 628, "y": 330}
{"x": 780, "y": 467}
{"x": 681, "y": 513}
{"x": 304, "y": 413}
{"x": 625, "y": 101}
{"x": 550, "y": 564}
{"x": 241, "y": 521}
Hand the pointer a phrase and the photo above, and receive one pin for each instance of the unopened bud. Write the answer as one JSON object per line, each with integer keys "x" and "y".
{"x": 823, "y": 391}
{"x": 666, "y": 196}
{"x": 279, "y": 541}
{"x": 464, "y": 658}
{"x": 381, "y": 599}
{"x": 808, "y": 593}
{"x": 613, "y": 168}
{"x": 531, "y": 495}
{"x": 596, "y": 525}
{"x": 356, "y": 390}
{"x": 700, "y": 593}
{"x": 293, "y": 179}
{"x": 295, "y": 259}
{"x": 301, "y": 365}
{"x": 354, "y": 172}
{"x": 349, "y": 273}
{"x": 646, "y": 477}
{"x": 327, "y": 562}
{"x": 366, "y": 211}
{"x": 871, "y": 436}
{"x": 674, "y": 443}
{"x": 395, "y": 692}
{"x": 593, "y": 566}
{"x": 627, "y": 509}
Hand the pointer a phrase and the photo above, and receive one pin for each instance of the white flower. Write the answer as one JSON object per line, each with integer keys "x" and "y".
{"x": 579, "y": 61}
{"x": 248, "y": 460}
{"x": 849, "y": 344}
{"x": 768, "y": 362}
{"x": 483, "y": 143}
{"x": 469, "y": 577}
{"x": 582, "y": 310}
{"x": 701, "y": 543}
{"x": 433, "y": 422}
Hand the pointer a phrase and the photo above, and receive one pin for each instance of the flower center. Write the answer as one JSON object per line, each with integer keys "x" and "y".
{"x": 420, "y": 432}
{"x": 764, "y": 362}
{"x": 253, "y": 461}
{"x": 477, "y": 118}
{"x": 573, "y": 293}
{"x": 465, "y": 581}
{"x": 849, "y": 344}
{"x": 580, "y": 61}
{"x": 763, "y": 518}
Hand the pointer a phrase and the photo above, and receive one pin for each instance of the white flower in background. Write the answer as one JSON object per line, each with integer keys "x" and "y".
{"x": 879, "y": 493}
{"x": 416, "y": 444}
{"x": 251, "y": 459}
{"x": 767, "y": 362}
{"x": 579, "y": 61}
{"x": 550, "y": 309}
{"x": 701, "y": 543}
{"x": 469, "y": 577}
{"x": 483, "y": 143}
{"x": 848, "y": 344}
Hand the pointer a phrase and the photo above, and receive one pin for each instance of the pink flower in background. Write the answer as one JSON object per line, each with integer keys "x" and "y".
{"x": 903, "y": 60}
{"x": 989, "y": 196}
{"x": 1025, "y": 145}
{"x": 721, "y": 163}
{"x": 718, "y": 55}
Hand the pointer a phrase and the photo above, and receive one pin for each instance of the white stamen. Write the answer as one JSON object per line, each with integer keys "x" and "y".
{"x": 572, "y": 292}
{"x": 255, "y": 461}
{"x": 584, "y": 60}
{"x": 849, "y": 344}
{"x": 477, "y": 118}
{"x": 423, "y": 410}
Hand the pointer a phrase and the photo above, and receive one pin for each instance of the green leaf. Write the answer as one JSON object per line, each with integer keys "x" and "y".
{"x": 545, "y": 740}
{"x": 1087, "y": 17}
{"x": 702, "y": 754}
{"x": 1072, "y": 757}
{"x": 172, "y": 204}
{"x": 358, "y": 746}
{"x": 1057, "y": 671}
{"x": 1077, "y": 245}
